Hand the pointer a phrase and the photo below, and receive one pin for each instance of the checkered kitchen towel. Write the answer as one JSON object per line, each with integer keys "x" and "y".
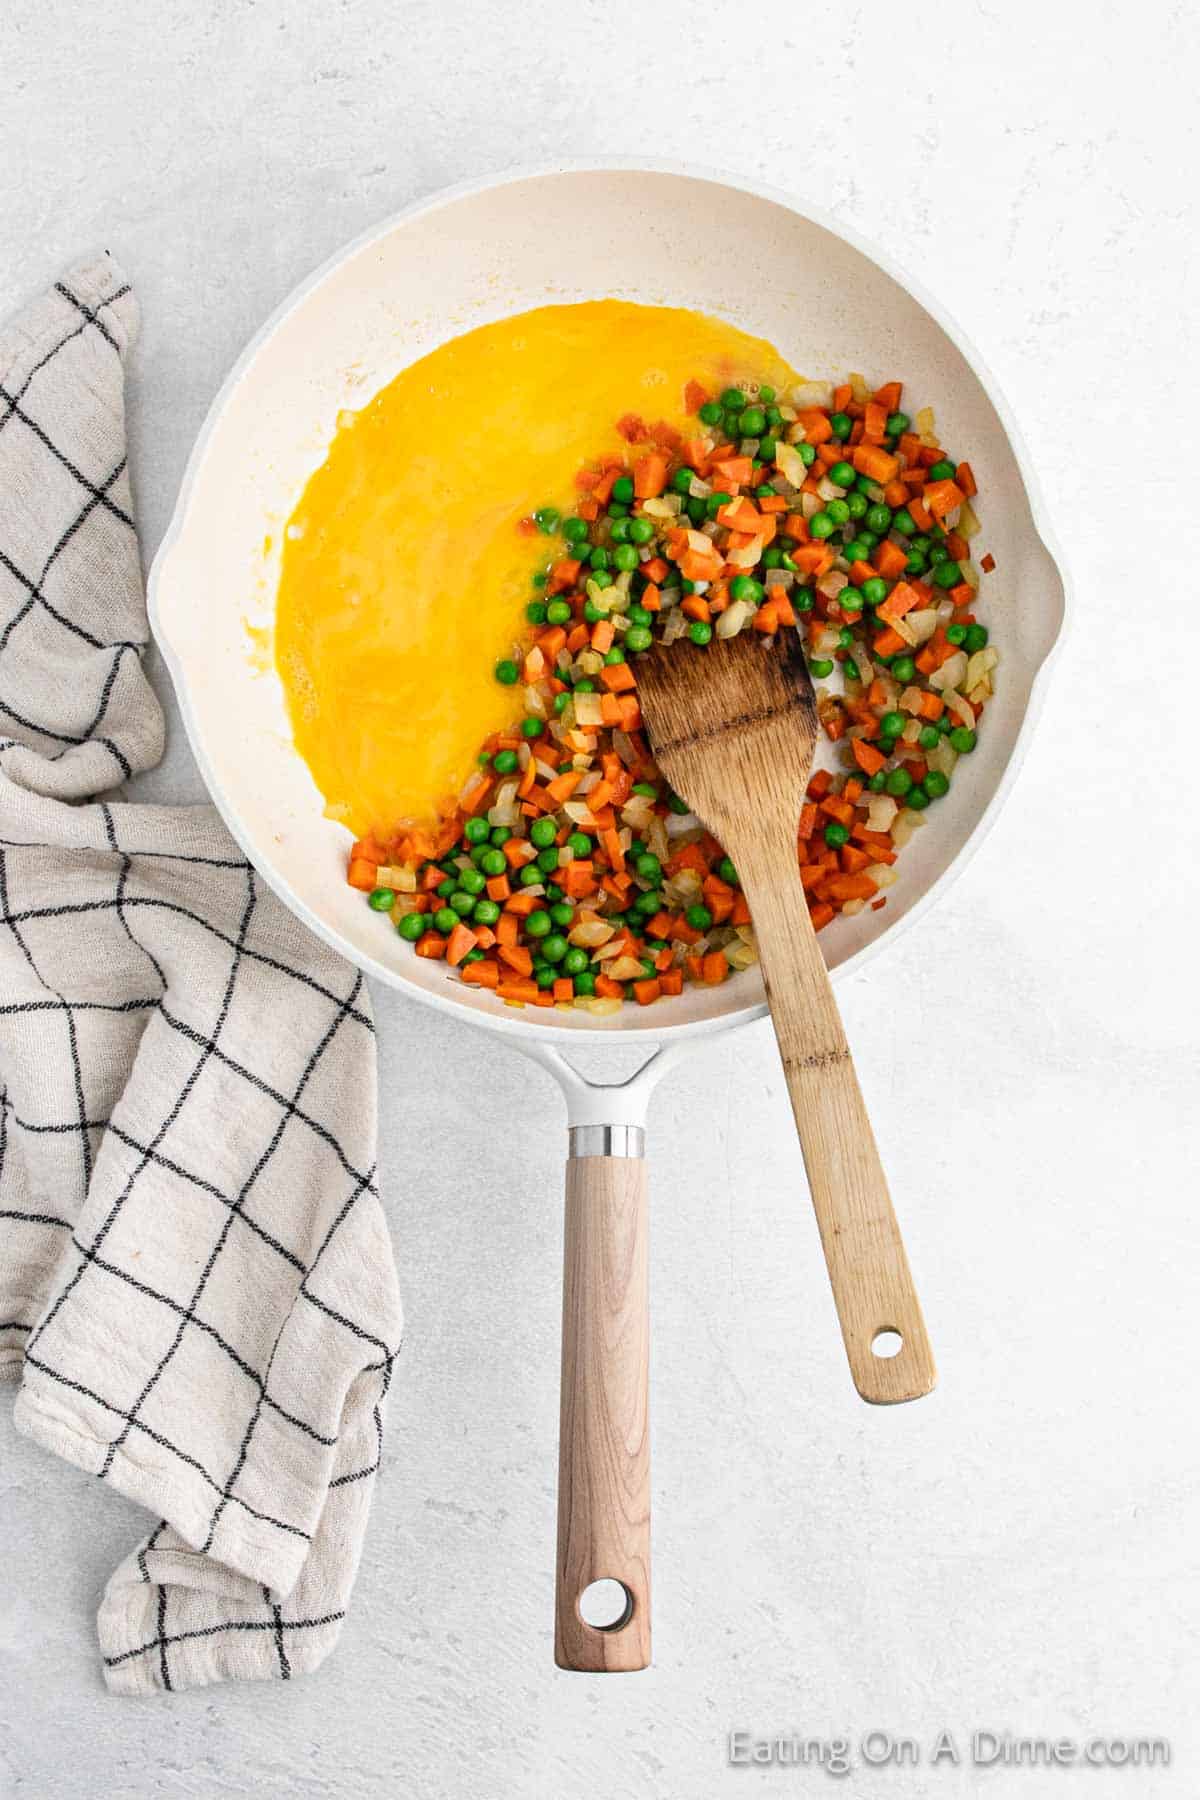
{"x": 197, "y": 1294}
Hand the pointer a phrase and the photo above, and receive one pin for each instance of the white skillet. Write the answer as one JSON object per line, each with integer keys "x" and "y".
{"x": 659, "y": 234}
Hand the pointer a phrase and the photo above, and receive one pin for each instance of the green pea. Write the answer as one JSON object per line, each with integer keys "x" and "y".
{"x": 903, "y": 522}
{"x": 648, "y": 868}
{"x": 942, "y": 471}
{"x": 976, "y": 638}
{"x": 937, "y": 553}
{"x": 820, "y": 666}
{"x": 956, "y": 634}
{"x": 698, "y": 917}
{"x": 802, "y": 600}
{"x": 867, "y": 536}
{"x": 535, "y": 612}
{"x": 962, "y": 739}
{"x": 444, "y": 920}
{"x": 585, "y": 982}
{"x": 640, "y": 531}
{"x": 593, "y": 613}
{"x": 929, "y": 738}
{"x": 542, "y": 833}
{"x": 877, "y": 780}
{"x": 898, "y": 782}
{"x": 870, "y": 488}
{"x": 575, "y": 961}
{"x": 638, "y": 638}
{"x": 850, "y": 668}
{"x": 614, "y": 656}
{"x": 744, "y": 587}
{"x": 493, "y": 862}
{"x": 848, "y": 599}
{"x": 710, "y": 413}
{"x": 619, "y": 534}
{"x": 904, "y": 668}
{"x": 411, "y": 926}
{"x": 638, "y": 615}
{"x": 821, "y": 526}
{"x": 766, "y": 393}
{"x": 598, "y": 557}
{"x": 537, "y": 925}
{"x": 874, "y": 590}
{"x": 917, "y": 799}
{"x": 547, "y": 860}
{"x": 836, "y": 835}
{"x": 545, "y": 976}
{"x": 381, "y": 898}
{"x": 561, "y": 702}
{"x": 601, "y": 578}
{"x": 727, "y": 872}
{"x": 858, "y": 550}
{"x": 579, "y": 843}
{"x": 700, "y": 631}
{"x": 753, "y": 422}
{"x": 554, "y": 947}
{"x": 472, "y": 881}
{"x": 733, "y": 398}
{"x": 857, "y": 505}
{"x": 838, "y": 511}
{"x": 462, "y": 903}
{"x": 892, "y": 724}
{"x": 767, "y": 447}
{"x": 622, "y": 489}
{"x": 444, "y": 889}
{"x": 879, "y": 517}
{"x": 486, "y": 912}
{"x": 558, "y": 612}
{"x": 647, "y": 904}
{"x": 547, "y": 519}
{"x": 808, "y": 454}
{"x": 916, "y": 564}
{"x": 842, "y": 474}
{"x": 575, "y": 530}
{"x": 625, "y": 557}
{"x": 947, "y": 574}
{"x": 476, "y": 831}
{"x": 897, "y": 423}
{"x": 842, "y": 425}
{"x": 585, "y": 685}
{"x": 681, "y": 481}
{"x": 500, "y": 834}
{"x": 936, "y": 784}
{"x": 507, "y": 672}
{"x": 504, "y": 762}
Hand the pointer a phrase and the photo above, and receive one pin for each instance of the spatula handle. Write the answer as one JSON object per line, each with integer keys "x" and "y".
{"x": 872, "y": 1285}
{"x": 604, "y": 1442}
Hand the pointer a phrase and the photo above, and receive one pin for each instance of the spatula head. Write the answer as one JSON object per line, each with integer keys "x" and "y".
{"x": 732, "y": 725}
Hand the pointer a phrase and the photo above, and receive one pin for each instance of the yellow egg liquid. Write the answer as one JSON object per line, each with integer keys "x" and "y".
{"x": 404, "y": 575}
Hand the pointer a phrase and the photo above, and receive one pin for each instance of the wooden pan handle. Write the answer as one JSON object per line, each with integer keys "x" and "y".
{"x": 872, "y": 1285}
{"x": 604, "y": 1442}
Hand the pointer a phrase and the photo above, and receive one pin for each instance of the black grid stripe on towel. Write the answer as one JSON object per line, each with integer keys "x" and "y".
{"x": 197, "y": 1293}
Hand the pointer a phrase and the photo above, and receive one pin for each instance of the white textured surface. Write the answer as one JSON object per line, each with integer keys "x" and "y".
{"x": 1018, "y": 1551}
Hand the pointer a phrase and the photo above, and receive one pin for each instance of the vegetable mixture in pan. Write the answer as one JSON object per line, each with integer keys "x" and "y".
{"x": 568, "y": 873}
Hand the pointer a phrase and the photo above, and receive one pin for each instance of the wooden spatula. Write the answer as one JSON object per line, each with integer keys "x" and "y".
{"x": 733, "y": 726}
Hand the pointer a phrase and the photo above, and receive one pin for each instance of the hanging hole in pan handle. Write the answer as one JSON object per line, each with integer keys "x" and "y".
{"x": 887, "y": 1343}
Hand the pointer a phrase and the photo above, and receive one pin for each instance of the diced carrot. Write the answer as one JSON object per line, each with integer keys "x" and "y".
{"x": 618, "y": 678}
{"x": 876, "y": 464}
{"x": 482, "y": 974}
{"x": 888, "y": 643}
{"x": 888, "y": 396}
{"x": 603, "y": 633}
{"x": 921, "y": 516}
{"x": 564, "y": 988}
{"x": 941, "y": 497}
{"x": 817, "y": 429}
{"x": 517, "y": 957}
{"x": 608, "y": 989}
{"x": 766, "y": 619}
{"x": 650, "y": 476}
{"x": 851, "y": 887}
{"x": 874, "y": 422}
{"x": 988, "y": 563}
{"x": 610, "y": 843}
{"x": 647, "y": 992}
{"x": 821, "y": 914}
{"x": 966, "y": 479}
{"x": 522, "y": 904}
{"x": 461, "y": 939}
{"x": 433, "y": 945}
{"x": 713, "y": 968}
{"x": 671, "y": 981}
{"x": 362, "y": 874}
{"x": 930, "y": 706}
{"x": 890, "y": 560}
{"x": 563, "y": 786}
{"x": 696, "y": 607}
{"x": 901, "y": 600}
{"x": 869, "y": 760}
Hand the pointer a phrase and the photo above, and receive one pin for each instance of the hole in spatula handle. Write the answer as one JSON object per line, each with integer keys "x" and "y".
{"x": 887, "y": 1343}
{"x": 606, "y": 1605}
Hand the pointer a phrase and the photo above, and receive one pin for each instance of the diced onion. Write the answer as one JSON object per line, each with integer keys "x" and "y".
{"x": 951, "y": 673}
{"x": 790, "y": 464}
{"x": 807, "y": 394}
{"x": 731, "y": 621}
{"x": 923, "y": 624}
